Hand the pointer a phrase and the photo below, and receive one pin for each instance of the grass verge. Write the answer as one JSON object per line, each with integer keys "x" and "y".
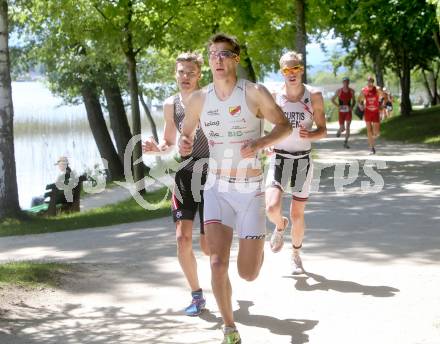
{"x": 422, "y": 126}
{"x": 122, "y": 212}
{"x": 32, "y": 274}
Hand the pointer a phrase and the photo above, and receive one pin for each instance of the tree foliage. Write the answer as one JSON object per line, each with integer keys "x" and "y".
{"x": 394, "y": 33}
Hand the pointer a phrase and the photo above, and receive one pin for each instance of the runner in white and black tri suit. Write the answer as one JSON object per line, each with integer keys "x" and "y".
{"x": 291, "y": 167}
{"x": 187, "y": 197}
{"x": 231, "y": 113}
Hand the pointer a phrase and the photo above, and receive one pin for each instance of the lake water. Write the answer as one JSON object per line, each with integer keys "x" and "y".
{"x": 45, "y": 129}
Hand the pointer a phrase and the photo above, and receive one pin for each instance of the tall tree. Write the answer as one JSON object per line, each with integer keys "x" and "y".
{"x": 8, "y": 179}
{"x": 116, "y": 110}
{"x": 135, "y": 25}
{"x": 72, "y": 60}
{"x": 431, "y": 75}
{"x": 400, "y": 30}
{"x": 99, "y": 129}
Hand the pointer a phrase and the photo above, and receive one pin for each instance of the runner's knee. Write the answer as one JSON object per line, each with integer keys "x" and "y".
{"x": 219, "y": 266}
{"x": 273, "y": 208}
{"x": 184, "y": 242}
{"x": 297, "y": 215}
{"x": 248, "y": 274}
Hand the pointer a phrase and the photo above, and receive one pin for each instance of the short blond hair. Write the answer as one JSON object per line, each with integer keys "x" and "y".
{"x": 291, "y": 56}
{"x": 190, "y": 56}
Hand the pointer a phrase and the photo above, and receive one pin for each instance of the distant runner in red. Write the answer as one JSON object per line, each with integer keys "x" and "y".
{"x": 369, "y": 97}
{"x": 345, "y": 100}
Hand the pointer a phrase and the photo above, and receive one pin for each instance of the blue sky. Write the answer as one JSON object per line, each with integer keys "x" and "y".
{"x": 315, "y": 56}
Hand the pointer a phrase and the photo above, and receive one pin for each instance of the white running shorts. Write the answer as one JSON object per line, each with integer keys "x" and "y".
{"x": 236, "y": 203}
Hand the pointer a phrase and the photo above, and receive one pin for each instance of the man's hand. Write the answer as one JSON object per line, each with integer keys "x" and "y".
{"x": 185, "y": 145}
{"x": 249, "y": 149}
{"x": 150, "y": 146}
{"x": 269, "y": 150}
{"x": 303, "y": 132}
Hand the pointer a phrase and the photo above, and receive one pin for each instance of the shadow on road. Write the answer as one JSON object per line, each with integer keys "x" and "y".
{"x": 71, "y": 323}
{"x": 312, "y": 282}
{"x": 295, "y": 328}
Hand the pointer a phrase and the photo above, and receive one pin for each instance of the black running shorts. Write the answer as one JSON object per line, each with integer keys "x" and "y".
{"x": 187, "y": 196}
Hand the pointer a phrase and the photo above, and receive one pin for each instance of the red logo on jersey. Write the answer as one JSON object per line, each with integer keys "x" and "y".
{"x": 234, "y": 110}
{"x": 212, "y": 143}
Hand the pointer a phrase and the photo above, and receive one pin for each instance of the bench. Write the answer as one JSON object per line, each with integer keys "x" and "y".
{"x": 57, "y": 202}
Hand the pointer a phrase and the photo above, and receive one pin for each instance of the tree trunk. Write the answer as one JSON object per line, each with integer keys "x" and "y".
{"x": 427, "y": 87}
{"x": 8, "y": 178}
{"x": 118, "y": 116}
{"x": 378, "y": 70}
{"x": 435, "y": 75}
{"x": 405, "y": 84}
{"x": 150, "y": 117}
{"x": 249, "y": 68}
{"x": 436, "y": 36}
{"x": 100, "y": 131}
{"x": 301, "y": 35}
{"x": 138, "y": 165}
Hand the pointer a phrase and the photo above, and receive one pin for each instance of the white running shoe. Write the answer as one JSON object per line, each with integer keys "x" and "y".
{"x": 297, "y": 265}
{"x": 276, "y": 240}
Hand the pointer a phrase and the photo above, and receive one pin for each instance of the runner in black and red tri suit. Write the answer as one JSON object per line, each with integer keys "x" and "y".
{"x": 187, "y": 196}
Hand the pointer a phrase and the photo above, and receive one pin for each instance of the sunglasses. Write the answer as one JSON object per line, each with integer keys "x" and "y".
{"x": 182, "y": 73}
{"x": 292, "y": 70}
{"x": 222, "y": 54}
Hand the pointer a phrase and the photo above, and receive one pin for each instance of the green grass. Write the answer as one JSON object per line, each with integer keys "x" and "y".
{"x": 32, "y": 274}
{"x": 422, "y": 126}
{"x": 122, "y": 212}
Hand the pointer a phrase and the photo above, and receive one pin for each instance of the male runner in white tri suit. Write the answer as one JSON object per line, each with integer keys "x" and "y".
{"x": 231, "y": 114}
{"x": 186, "y": 199}
{"x": 291, "y": 167}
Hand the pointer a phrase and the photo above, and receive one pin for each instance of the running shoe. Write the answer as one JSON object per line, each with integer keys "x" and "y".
{"x": 276, "y": 240}
{"x": 346, "y": 145}
{"x": 338, "y": 133}
{"x": 373, "y": 151}
{"x": 231, "y": 336}
{"x": 197, "y": 304}
{"x": 297, "y": 265}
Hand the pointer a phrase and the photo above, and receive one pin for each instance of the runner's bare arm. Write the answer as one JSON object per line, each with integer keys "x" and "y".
{"x": 262, "y": 103}
{"x": 318, "y": 117}
{"x": 353, "y": 99}
{"x": 334, "y": 98}
{"x": 169, "y": 135}
{"x": 361, "y": 98}
{"x": 193, "y": 109}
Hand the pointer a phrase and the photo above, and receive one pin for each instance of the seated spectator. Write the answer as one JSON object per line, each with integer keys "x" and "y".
{"x": 65, "y": 178}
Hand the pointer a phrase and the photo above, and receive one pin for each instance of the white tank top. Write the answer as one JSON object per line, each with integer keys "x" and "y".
{"x": 227, "y": 125}
{"x": 298, "y": 113}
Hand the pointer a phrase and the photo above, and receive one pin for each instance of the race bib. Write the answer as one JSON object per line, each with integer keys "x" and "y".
{"x": 344, "y": 108}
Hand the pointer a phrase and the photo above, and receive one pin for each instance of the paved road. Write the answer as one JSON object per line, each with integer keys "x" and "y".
{"x": 372, "y": 252}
